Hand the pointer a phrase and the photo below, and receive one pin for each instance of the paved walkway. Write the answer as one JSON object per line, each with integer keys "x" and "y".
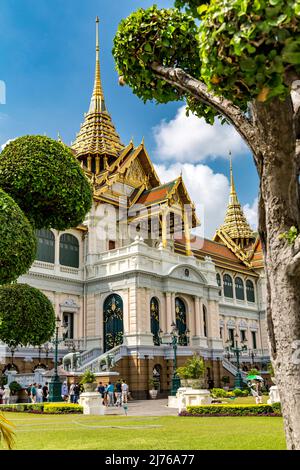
{"x": 144, "y": 408}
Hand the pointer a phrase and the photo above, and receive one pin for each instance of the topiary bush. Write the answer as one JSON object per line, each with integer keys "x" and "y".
{"x": 238, "y": 392}
{"x": 17, "y": 240}
{"x": 232, "y": 410}
{"x": 218, "y": 393}
{"x": 45, "y": 179}
{"x": 26, "y": 316}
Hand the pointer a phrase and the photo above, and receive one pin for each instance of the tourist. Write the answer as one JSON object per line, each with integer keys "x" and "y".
{"x": 124, "y": 392}
{"x": 1, "y": 394}
{"x": 118, "y": 393}
{"x": 45, "y": 392}
{"x": 28, "y": 391}
{"x": 258, "y": 398}
{"x": 33, "y": 393}
{"x": 110, "y": 392}
{"x": 39, "y": 394}
{"x": 65, "y": 391}
{"x": 6, "y": 395}
{"x": 76, "y": 392}
{"x": 101, "y": 390}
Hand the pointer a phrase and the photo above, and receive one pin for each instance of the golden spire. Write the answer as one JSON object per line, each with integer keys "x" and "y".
{"x": 235, "y": 224}
{"x": 97, "y": 101}
{"x": 97, "y": 136}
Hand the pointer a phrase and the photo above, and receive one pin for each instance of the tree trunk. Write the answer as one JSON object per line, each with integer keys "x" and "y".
{"x": 279, "y": 210}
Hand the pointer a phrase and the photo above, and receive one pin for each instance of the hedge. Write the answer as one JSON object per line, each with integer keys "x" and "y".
{"x": 43, "y": 408}
{"x": 233, "y": 410}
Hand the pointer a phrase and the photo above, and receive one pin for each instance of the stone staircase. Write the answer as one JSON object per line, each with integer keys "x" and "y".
{"x": 96, "y": 363}
{"x": 233, "y": 369}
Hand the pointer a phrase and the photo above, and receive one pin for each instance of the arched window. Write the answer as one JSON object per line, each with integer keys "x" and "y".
{"x": 227, "y": 283}
{"x": 204, "y": 321}
{"x": 181, "y": 321}
{"x": 45, "y": 246}
{"x": 113, "y": 322}
{"x": 154, "y": 313}
{"x": 69, "y": 250}
{"x": 250, "y": 291}
{"x": 219, "y": 283}
{"x": 239, "y": 289}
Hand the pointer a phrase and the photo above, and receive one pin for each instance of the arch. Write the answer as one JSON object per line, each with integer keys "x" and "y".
{"x": 69, "y": 250}
{"x": 154, "y": 314}
{"x": 112, "y": 322}
{"x": 204, "y": 313}
{"x": 250, "y": 291}
{"x": 239, "y": 288}
{"x": 180, "y": 311}
{"x": 45, "y": 246}
{"x": 227, "y": 284}
{"x": 180, "y": 270}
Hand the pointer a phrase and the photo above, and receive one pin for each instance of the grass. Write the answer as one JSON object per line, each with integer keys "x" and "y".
{"x": 65, "y": 432}
{"x": 243, "y": 400}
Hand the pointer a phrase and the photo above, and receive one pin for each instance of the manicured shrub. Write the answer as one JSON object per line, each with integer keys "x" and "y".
{"x": 64, "y": 408}
{"x": 45, "y": 179}
{"x": 238, "y": 392}
{"x": 17, "y": 240}
{"x": 23, "y": 407}
{"x": 218, "y": 393}
{"x": 26, "y": 316}
{"x": 232, "y": 410}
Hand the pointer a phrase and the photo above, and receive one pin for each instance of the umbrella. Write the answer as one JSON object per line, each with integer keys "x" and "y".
{"x": 255, "y": 377}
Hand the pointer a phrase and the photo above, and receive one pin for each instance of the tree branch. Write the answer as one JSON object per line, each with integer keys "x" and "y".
{"x": 181, "y": 80}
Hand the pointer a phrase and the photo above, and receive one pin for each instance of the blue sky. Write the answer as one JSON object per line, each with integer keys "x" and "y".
{"x": 47, "y": 63}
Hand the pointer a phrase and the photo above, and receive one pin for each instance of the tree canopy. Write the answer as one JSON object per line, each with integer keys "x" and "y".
{"x": 26, "y": 316}
{"x": 17, "y": 240}
{"x": 45, "y": 179}
{"x": 240, "y": 49}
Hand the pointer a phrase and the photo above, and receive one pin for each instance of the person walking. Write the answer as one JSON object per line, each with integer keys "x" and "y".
{"x": 6, "y": 395}
{"x": 45, "y": 392}
{"x": 33, "y": 393}
{"x": 72, "y": 392}
{"x": 39, "y": 394}
{"x": 110, "y": 391}
{"x": 125, "y": 390}
{"x": 76, "y": 392}
{"x": 119, "y": 393}
{"x": 65, "y": 391}
{"x": 101, "y": 390}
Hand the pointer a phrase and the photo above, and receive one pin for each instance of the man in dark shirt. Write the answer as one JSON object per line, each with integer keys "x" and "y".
{"x": 45, "y": 392}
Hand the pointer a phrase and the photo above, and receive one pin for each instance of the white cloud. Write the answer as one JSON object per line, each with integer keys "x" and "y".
{"x": 5, "y": 144}
{"x": 251, "y": 213}
{"x": 208, "y": 190}
{"x": 191, "y": 139}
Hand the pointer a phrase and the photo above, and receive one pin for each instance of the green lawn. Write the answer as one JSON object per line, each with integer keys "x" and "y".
{"x": 243, "y": 400}
{"x": 160, "y": 433}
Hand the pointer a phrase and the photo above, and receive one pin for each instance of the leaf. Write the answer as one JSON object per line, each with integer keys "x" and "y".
{"x": 263, "y": 95}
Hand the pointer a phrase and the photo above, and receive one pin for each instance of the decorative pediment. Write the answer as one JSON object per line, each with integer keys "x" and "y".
{"x": 135, "y": 175}
{"x": 187, "y": 273}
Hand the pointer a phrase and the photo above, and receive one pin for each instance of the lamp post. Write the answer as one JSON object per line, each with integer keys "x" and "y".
{"x": 234, "y": 347}
{"x": 174, "y": 342}
{"x": 55, "y": 383}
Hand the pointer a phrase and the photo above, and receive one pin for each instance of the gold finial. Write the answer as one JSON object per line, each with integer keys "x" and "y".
{"x": 143, "y": 141}
{"x": 97, "y": 101}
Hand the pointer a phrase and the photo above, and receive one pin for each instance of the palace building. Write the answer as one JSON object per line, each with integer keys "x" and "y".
{"x": 133, "y": 270}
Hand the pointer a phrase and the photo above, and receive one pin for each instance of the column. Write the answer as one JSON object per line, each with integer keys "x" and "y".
{"x": 169, "y": 312}
{"x": 89, "y": 161}
{"x": 164, "y": 229}
{"x": 56, "y": 256}
{"x": 187, "y": 234}
{"x": 197, "y": 317}
{"x": 97, "y": 164}
{"x": 173, "y": 312}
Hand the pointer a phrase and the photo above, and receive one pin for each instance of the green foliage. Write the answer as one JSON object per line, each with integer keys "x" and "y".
{"x": 193, "y": 369}
{"x": 87, "y": 378}
{"x": 290, "y": 235}
{"x": 167, "y": 37}
{"x": 218, "y": 393}
{"x": 238, "y": 392}
{"x": 15, "y": 387}
{"x": 64, "y": 408}
{"x": 26, "y": 316}
{"x": 240, "y": 49}
{"x": 154, "y": 383}
{"x": 17, "y": 240}
{"x": 246, "y": 48}
{"x": 44, "y": 178}
{"x": 47, "y": 408}
{"x": 233, "y": 410}
{"x": 225, "y": 379}
{"x": 253, "y": 372}
{"x": 271, "y": 369}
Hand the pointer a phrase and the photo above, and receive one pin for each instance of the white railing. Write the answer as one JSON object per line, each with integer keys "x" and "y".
{"x": 232, "y": 368}
{"x": 104, "y": 362}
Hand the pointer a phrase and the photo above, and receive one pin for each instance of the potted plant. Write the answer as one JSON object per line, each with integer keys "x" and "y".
{"x": 154, "y": 383}
{"x": 15, "y": 388}
{"x": 192, "y": 374}
{"x": 88, "y": 381}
